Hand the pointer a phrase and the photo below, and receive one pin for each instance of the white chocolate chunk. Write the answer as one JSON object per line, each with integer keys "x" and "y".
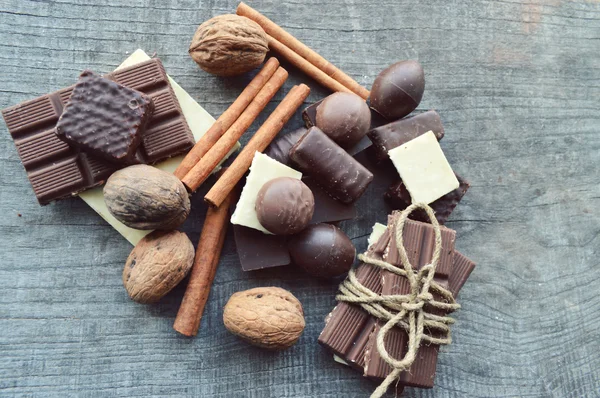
{"x": 262, "y": 170}
{"x": 199, "y": 121}
{"x": 339, "y": 360}
{"x": 378, "y": 230}
{"x": 424, "y": 169}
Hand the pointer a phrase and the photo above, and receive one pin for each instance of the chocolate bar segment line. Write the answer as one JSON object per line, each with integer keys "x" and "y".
{"x": 32, "y": 124}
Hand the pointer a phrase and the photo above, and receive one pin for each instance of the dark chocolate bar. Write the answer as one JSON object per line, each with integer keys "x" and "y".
{"x": 397, "y": 133}
{"x": 257, "y": 250}
{"x": 57, "y": 170}
{"x": 104, "y": 118}
{"x": 327, "y": 209}
{"x": 399, "y": 197}
{"x": 338, "y": 173}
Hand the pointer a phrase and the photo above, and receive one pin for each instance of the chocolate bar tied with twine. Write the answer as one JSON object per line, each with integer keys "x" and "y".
{"x": 407, "y": 311}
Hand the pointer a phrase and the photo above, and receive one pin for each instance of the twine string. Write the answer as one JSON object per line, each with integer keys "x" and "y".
{"x": 406, "y": 311}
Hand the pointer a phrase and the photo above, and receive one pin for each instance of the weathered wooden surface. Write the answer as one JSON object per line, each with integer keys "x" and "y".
{"x": 517, "y": 84}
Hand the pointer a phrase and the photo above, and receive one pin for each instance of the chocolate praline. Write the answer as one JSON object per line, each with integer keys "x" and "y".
{"x": 322, "y": 250}
{"x": 344, "y": 117}
{"x": 398, "y": 89}
{"x": 285, "y": 206}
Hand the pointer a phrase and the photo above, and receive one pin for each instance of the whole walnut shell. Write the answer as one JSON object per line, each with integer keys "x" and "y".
{"x": 144, "y": 197}
{"x": 157, "y": 264}
{"x": 268, "y": 317}
{"x": 229, "y": 45}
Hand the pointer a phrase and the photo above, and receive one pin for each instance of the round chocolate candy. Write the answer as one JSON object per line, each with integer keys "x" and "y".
{"x": 285, "y": 206}
{"x": 344, "y": 117}
{"x": 322, "y": 250}
{"x": 398, "y": 89}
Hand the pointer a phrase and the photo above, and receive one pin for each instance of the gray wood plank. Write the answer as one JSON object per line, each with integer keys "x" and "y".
{"x": 517, "y": 84}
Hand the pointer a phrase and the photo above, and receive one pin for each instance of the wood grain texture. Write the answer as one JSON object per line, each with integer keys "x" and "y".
{"x": 517, "y": 85}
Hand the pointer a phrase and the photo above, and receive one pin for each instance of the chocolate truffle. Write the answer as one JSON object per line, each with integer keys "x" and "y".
{"x": 398, "y": 89}
{"x": 344, "y": 117}
{"x": 322, "y": 250}
{"x": 285, "y": 206}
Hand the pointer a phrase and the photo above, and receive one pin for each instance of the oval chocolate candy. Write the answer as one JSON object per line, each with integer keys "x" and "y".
{"x": 322, "y": 250}
{"x": 398, "y": 89}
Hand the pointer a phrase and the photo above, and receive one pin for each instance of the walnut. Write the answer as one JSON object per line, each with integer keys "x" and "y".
{"x": 229, "y": 45}
{"x": 157, "y": 264}
{"x": 144, "y": 197}
{"x": 268, "y": 317}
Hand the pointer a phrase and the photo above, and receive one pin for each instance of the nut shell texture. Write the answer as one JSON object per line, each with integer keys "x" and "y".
{"x": 229, "y": 45}
{"x": 268, "y": 317}
{"x": 157, "y": 264}
{"x": 144, "y": 197}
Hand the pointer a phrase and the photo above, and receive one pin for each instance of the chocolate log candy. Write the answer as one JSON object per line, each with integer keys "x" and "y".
{"x": 398, "y": 196}
{"x": 322, "y": 250}
{"x": 57, "y": 170}
{"x": 338, "y": 173}
{"x": 285, "y": 206}
{"x": 105, "y": 118}
{"x": 280, "y": 148}
{"x": 392, "y": 135}
{"x": 398, "y": 89}
{"x": 344, "y": 117}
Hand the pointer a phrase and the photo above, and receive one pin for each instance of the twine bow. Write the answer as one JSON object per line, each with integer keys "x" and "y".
{"x": 408, "y": 311}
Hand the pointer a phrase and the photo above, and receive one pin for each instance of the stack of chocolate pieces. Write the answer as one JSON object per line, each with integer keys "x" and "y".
{"x": 75, "y": 138}
{"x": 350, "y": 332}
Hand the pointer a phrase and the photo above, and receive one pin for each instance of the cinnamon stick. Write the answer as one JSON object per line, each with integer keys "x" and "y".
{"x": 308, "y": 68}
{"x": 202, "y": 170}
{"x": 278, "y": 33}
{"x": 224, "y": 122}
{"x": 261, "y": 139}
{"x": 204, "y": 269}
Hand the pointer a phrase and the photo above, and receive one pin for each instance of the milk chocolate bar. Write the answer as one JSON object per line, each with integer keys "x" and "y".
{"x": 419, "y": 240}
{"x": 57, "y": 170}
{"x": 350, "y": 338}
{"x": 399, "y": 197}
{"x": 343, "y": 326}
{"x": 338, "y": 173}
{"x": 392, "y": 135}
{"x": 104, "y": 118}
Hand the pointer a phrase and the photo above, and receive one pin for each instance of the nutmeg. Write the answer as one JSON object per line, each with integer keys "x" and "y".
{"x": 268, "y": 317}
{"x": 144, "y": 197}
{"x": 229, "y": 45}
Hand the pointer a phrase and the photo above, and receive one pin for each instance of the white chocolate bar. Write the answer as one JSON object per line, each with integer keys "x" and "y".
{"x": 424, "y": 169}
{"x": 262, "y": 170}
